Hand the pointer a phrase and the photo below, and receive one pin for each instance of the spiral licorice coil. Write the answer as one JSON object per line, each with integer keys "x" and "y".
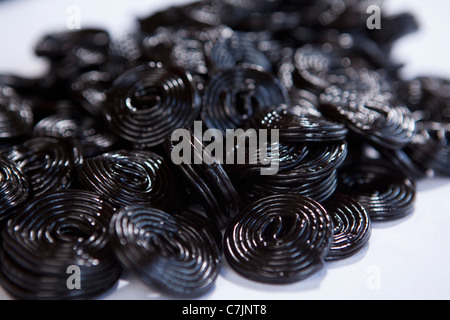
{"x": 48, "y": 163}
{"x": 130, "y": 177}
{"x": 302, "y": 124}
{"x": 210, "y": 182}
{"x": 238, "y": 49}
{"x": 233, "y": 96}
{"x": 148, "y": 102}
{"x": 14, "y": 188}
{"x": 55, "y": 231}
{"x": 352, "y": 226}
{"x": 90, "y": 136}
{"x": 375, "y": 117}
{"x": 319, "y": 189}
{"x": 386, "y": 193}
{"x": 171, "y": 253}
{"x": 279, "y": 239}
{"x": 16, "y": 115}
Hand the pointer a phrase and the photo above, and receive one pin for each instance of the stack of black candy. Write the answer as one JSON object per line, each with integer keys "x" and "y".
{"x": 86, "y": 174}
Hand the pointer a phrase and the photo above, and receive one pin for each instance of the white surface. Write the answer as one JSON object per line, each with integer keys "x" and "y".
{"x": 405, "y": 259}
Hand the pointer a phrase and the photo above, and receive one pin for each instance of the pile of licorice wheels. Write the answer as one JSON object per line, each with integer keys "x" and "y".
{"x": 88, "y": 179}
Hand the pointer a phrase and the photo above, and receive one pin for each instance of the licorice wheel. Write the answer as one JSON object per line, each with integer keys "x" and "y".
{"x": 14, "y": 187}
{"x": 318, "y": 189}
{"x": 320, "y": 160}
{"x": 309, "y": 67}
{"x": 57, "y": 45}
{"x": 386, "y": 193}
{"x": 288, "y": 156}
{"x": 175, "y": 254}
{"x": 89, "y": 89}
{"x": 279, "y": 239}
{"x": 429, "y": 147}
{"x": 48, "y": 163}
{"x": 312, "y": 174}
{"x": 89, "y": 135}
{"x": 352, "y": 226}
{"x": 302, "y": 124}
{"x": 233, "y": 96}
{"x": 148, "y": 102}
{"x": 377, "y": 118}
{"x": 16, "y": 115}
{"x": 54, "y": 232}
{"x": 210, "y": 182}
{"x": 237, "y": 49}
{"x": 128, "y": 177}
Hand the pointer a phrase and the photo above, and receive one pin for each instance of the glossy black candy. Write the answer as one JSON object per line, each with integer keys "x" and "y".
{"x": 310, "y": 171}
{"x": 59, "y": 44}
{"x": 131, "y": 177}
{"x": 429, "y": 149}
{"x": 279, "y": 239}
{"x": 175, "y": 254}
{"x": 233, "y": 96}
{"x": 385, "y": 192}
{"x": 53, "y": 233}
{"x": 48, "y": 163}
{"x": 146, "y": 103}
{"x": 209, "y": 181}
{"x": 302, "y": 123}
{"x": 14, "y": 187}
{"x": 235, "y": 50}
{"x": 91, "y": 137}
{"x": 376, "y": 117}
{"x": 16, "y": 115}
{"x": 89, "y": 89}
{"x": 352, "y": 226}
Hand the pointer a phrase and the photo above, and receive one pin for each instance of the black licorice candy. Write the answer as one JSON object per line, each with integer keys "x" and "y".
{"x": 175, "y": 254}
{"x": 310, "y": 69}
{"x": 127, "y": 177}
{"x": 54, "y": 232}
{"x": 352, "y": 226}
{"x": 280, "y": 239}
{"x": 48, "y": 163}
{"x": 386, "y": 193}
{"x": 148, "y": 102}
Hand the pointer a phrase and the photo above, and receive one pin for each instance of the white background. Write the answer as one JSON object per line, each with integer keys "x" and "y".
{"x": 405, "y": 259}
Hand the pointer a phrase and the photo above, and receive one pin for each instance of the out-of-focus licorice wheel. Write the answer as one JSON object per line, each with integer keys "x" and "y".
{"x": 233, "y": 96}
{"x": 429, "y": 147}
{"x": 84, "y": 130}
{"x": 176, "y": 254}
{"x": 148, "y": 102}
{"x": 375, "y": 117}
{"x": 302, "y": 124}
{"x": 55, "y": 231}
{"x": 289, "y": 156}
{"x": 127, "y": 177}
{"x": 237, "y": 49}
{"x": 14, "y": 188}
{"x": 209, "y": 181}
{"x": 59, "y": 44}
{"x": 279, "y": 239}
{"x": 385, "y": 192}
{"x": 16, "y": 115}
{"x": 48, "y": 163}
{"x": 352, "y": 226}
{"x": 231, "y": 13}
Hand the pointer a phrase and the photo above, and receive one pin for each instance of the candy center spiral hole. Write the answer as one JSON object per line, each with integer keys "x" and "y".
{"x": 145, "y": 98}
